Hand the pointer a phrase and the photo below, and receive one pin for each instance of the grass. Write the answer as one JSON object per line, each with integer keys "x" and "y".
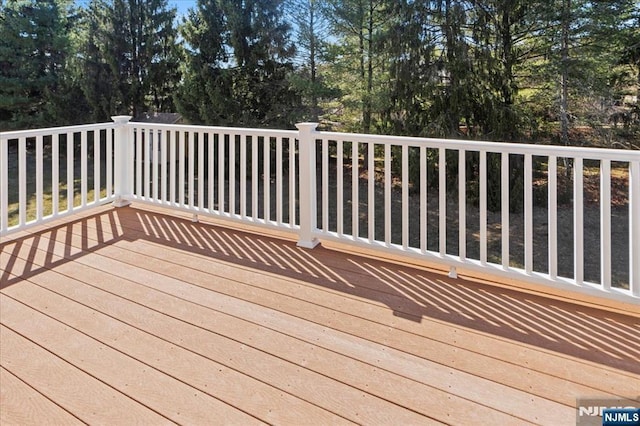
{"x": 47, "y": 203}
{"x": 47, "y": 187}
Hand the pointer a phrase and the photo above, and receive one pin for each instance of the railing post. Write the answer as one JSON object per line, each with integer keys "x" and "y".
{"x": 308, "y": 188}
{"x": 123, "y": 162}
{"x": 634, "y": 227}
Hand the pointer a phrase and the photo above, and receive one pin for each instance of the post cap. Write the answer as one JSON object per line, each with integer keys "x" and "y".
{"x": 121, "y": 119}
{"x": 306, "y": 126}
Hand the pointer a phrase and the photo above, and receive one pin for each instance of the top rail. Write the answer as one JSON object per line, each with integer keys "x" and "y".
{"x": 241, "y": 131}
{"x": 453, "y": 144}
{"x": 497, "y": 147}
{"x": 15, "y": 134}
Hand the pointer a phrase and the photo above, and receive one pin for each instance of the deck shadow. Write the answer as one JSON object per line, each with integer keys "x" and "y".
{"x": 411, "y": 294}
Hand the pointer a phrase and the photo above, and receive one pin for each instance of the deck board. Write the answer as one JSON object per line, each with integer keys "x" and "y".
{"x": 22, "y": 404}
{"x": 197, "y": 370}
{"x": 78, "y": 392}
{"x": 373, "y": 310}
{"x": 168, "y": 396}
{"x": 335, "y": 337}
{"x": 312, "y": 387}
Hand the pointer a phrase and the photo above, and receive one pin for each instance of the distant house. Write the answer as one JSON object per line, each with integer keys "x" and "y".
{"x": 159, "y": 118}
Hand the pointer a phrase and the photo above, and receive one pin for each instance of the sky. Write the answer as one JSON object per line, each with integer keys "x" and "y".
{"x": 182, "y": 6}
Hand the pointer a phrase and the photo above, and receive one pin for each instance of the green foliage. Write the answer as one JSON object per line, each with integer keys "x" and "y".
{"x": 361, "y": 28}
{"x": 238, "y": 65}
{"x": 205, "y": 84}
{"x": 484, "y": 69}
{"x": 34, "y": 51}
{"x": 131, "y": 57}
{"x": 311, "y": 33}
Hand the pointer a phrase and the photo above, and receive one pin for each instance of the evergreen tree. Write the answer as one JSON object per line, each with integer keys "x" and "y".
{"x": 361, "y": 28}
{"x": 459, "y": 96}
{"x": 415, "y": 68}
{"x": 245, "y": 69}
{"x": 575, "y": 77}
{"x": 206, "y": 92}
{"x": 99, "y": 83}
{"x": 262, "y": 62}
{"x": 626, "y": 31}
{"x": 34, "y": 48}
{"x": 500, "y": 31}
{"x": 311, "y": 34}
{"x": 132, "y": 62}
{"x": 490, "y": 69}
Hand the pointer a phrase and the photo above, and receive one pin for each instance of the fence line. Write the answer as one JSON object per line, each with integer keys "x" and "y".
{"x": 33, "y": 172}
{"x": 222, "y": 172}
{"x": 448, "y": 201}
{"x": 443, "y": 162}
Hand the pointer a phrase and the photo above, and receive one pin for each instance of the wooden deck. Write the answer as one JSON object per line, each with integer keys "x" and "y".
{"x": 137, "y": 316}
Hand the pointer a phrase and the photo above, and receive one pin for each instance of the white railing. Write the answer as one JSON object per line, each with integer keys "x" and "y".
{"x": 398, "y": 195}
{"x": 49, "y": 173}
{"x": 246, "y": 175}
{"x": 406, "y": 229}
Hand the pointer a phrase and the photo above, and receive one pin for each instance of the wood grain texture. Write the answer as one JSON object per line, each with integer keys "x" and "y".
{"x": 76, "y": 391}
{"x": 22, "y": 404}
{"x": 165, "y": 395}
{"x": 203, "y": 313}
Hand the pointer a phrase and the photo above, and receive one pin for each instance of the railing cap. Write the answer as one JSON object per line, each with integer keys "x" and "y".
{"x": 121, "y": 119}
{"x": 307, "y": 126}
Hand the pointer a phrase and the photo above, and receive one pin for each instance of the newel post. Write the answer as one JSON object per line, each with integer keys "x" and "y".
{"x": 123, "y": 162}
{"x": 308, "y": 188}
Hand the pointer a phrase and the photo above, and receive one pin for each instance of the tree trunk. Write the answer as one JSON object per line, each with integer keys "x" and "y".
{"x": 312, "y": 63}
{"x": 507, "y": 59}
{"x": 361, "y": 46}
{"x": 564, "y": 66}
{"x": 369, "y": 87}
{"x": 449, "y": 30}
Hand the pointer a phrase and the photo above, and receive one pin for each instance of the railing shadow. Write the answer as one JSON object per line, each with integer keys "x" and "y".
{"x": 411, "y": 294}
{"x": 24, "y": 257}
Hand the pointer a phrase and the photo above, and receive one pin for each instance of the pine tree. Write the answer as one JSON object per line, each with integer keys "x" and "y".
{"x": 244, "y": 71}
{"x": 205, "y": 94}
{"x": 262, "y": 60}
{"x": 132, "y": 56}
{"x": 361, "y": 28}
{"x": 311, "y": 43}
{"x": 627, "y": 43}
{"x": 34, "y": 47}
{"x": 414, "y": 68}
